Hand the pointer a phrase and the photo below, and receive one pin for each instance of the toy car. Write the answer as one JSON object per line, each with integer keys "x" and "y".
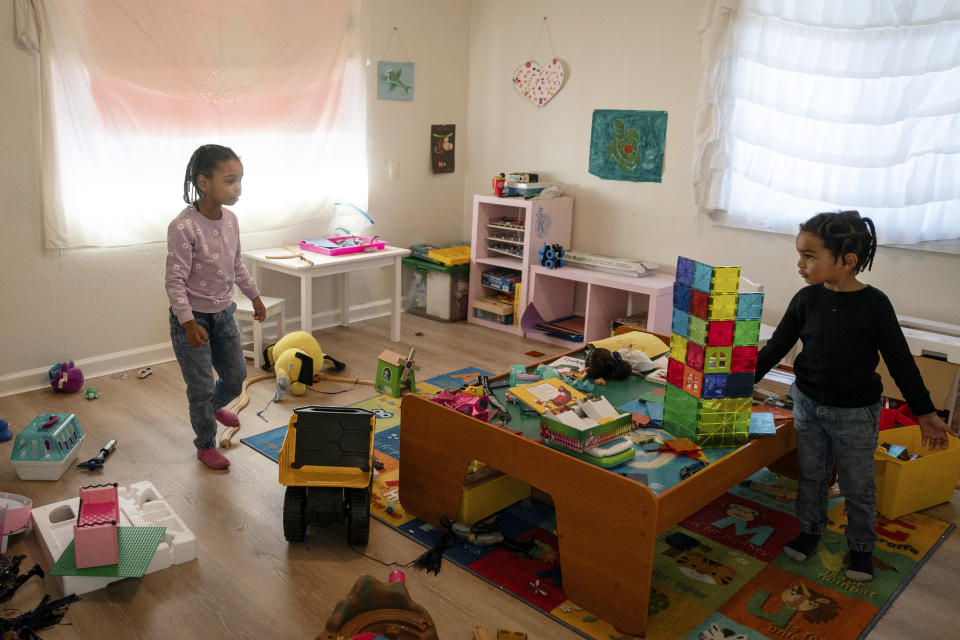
{"x": 326, "y": 463}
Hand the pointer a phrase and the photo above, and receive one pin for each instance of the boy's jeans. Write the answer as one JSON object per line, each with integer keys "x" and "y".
{"x": 224, "y": 353}
{"x": 847, "y": 437}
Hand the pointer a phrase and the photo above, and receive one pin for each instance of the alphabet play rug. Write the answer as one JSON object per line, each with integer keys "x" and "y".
{"x": 719, "y": 574}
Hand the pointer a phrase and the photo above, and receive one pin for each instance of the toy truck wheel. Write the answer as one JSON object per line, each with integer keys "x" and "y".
{"x": 294, "y": 514}
{"x": 358, "y": 520}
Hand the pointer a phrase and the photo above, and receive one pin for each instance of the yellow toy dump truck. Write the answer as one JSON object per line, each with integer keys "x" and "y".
{"x": 326, "y": 463}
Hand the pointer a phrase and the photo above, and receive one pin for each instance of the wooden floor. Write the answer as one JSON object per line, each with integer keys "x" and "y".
{"x": 247, "y": 581}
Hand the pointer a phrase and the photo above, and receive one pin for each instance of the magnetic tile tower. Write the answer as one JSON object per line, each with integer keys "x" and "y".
{"x": 713, "y": 356}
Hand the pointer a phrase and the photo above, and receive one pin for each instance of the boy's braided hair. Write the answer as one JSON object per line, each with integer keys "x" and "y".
{"x": 202, "y": 163}
{"x": 844, "y": 232}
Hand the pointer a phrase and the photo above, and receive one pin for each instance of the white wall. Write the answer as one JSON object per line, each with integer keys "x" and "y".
{"x": 637, "y": 54}
{"x": 103, "y": 304}
{"x": 641, "y": 54}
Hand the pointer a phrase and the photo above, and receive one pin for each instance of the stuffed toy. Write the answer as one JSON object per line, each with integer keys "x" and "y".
{"x": 602, "y": 363}
{"x": 66, "y": 377}
{"x": 297, "y": 360}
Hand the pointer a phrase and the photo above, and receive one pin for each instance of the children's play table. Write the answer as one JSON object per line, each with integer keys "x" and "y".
{"x": 316, "y": 265}
{"x": 607, "y": 524}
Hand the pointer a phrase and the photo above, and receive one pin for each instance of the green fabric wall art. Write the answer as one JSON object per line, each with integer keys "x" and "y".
{"x": 628, "y": 145}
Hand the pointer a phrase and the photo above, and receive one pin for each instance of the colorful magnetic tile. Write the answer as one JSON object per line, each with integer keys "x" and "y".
{"x": 697, "y": 330}
{"x": 678, "y": 423}
{"x": 685, "y": 268}
{"x": 743, "y": 359}
{"x": 750, "y": 306}
{"x": 699, "y": 303}
{"x": 674, "y": 373}
{"x": 722, "y": 306}
{"x": 681, "y": 321}
{"x": 714, "y": 385}
{"x": 681, "y": 296}
{"x": 693, "y": 381}
{"x": 746, "y": 333}
{"x": 695, "y": 356}
{"x": 717, "y": 359}
{"x": 726, "y": 280}
{"x": 678, "y": 347}
{"x": 740, "y": 385}
{"x": 681, "y": 401}
{"x": 702, "y": 277}
{"x": 720, "y": 334}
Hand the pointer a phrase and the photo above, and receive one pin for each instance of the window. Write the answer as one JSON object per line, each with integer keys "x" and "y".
{"x": 131, "y": 87}
{"x": 818, "y": 105}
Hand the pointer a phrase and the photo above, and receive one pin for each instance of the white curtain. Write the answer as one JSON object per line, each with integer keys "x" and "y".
{"x": 131, "y": 87}
{"x": 818, "y": 105}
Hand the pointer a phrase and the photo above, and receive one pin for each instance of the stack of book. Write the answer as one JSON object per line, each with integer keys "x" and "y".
{"x": 608, "y": 264}
{"x": 568, "y": 328}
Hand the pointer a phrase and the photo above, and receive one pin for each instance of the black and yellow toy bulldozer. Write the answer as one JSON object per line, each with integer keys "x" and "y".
{"x": 326, "y": 463}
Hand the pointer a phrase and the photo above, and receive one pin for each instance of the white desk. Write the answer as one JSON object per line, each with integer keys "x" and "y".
{"x": 323, "y": 266}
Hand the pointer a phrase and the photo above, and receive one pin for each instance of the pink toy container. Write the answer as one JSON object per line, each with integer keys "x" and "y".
{"x": 342, "y": 244}
{"x": 95, "y": 531}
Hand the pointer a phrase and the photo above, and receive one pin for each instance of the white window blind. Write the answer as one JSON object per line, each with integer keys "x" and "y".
{"x": 131, "y": 87}
{"x": 819, "y": 105}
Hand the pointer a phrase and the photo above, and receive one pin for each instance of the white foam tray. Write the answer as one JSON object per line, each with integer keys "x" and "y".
{"x": 141, "y": 505}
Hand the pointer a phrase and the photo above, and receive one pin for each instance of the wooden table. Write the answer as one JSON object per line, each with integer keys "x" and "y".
{"x": 607, "y": 524}
{"x": 322, "y": 266}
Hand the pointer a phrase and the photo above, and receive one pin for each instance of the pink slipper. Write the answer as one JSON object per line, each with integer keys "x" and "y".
{"x": 227, "y": 418}
{"x": 213, "y": 458}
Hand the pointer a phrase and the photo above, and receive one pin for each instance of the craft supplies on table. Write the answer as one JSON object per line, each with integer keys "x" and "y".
{"x": 342, "y": 244}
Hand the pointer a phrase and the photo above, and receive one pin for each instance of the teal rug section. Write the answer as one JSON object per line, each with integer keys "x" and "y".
{"x": 135, "y": 546}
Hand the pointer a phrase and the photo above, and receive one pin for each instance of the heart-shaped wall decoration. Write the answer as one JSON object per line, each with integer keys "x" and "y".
{"x": 539, "y": 84}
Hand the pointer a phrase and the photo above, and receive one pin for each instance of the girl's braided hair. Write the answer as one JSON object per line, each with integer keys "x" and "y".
{"x": 844, "y": 232}
{"x": 202, "y": 163}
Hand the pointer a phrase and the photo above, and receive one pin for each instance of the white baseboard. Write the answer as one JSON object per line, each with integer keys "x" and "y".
{"x": 110, "y": 363}
{"x": 94, "y": 367}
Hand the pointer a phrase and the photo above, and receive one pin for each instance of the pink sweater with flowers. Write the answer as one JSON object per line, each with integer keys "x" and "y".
{"x": 203, "y": 263}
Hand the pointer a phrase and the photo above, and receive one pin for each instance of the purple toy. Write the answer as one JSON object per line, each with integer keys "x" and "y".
{"x": 67, "y": 378}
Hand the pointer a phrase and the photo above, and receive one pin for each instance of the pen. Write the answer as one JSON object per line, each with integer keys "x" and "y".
{"x": 309, "y": 262}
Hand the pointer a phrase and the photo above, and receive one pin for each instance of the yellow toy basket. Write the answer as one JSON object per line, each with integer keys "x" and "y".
{"x": 908, "y": 486}
{"x": 451, "y": 256}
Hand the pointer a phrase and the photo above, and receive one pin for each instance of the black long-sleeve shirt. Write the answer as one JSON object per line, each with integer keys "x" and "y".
{"x": 843, "y": 333}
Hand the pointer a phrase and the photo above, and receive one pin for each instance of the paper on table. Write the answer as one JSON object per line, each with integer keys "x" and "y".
{"x": 650, "y": 344}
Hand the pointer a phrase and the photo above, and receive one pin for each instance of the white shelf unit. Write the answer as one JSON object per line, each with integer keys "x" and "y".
{"x": 513, "y": 245}
{"x": 554, "y": 293}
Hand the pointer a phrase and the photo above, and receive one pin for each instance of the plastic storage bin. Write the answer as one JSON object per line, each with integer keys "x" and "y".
{"x": 47, "y": 447}
{"x": 435, "y": 291}
{"x": 907, "y": 486}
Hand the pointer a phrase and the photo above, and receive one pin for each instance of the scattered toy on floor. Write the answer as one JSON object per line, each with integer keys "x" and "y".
{"x": 143, "y": 373}
{"x": 5, "y": 433}
{"x": 373, "y": 606}
{"x": 46, "y": 614}
{"x": 10, "y": 577}
{"x": 92, "y": 394}
{"x": 66, "y": 377}
{"x": 296, "y": 360}
{"x": 96, "y": 464}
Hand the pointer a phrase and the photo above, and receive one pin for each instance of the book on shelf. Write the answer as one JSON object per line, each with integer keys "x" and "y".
{"x": 609, "y": 264}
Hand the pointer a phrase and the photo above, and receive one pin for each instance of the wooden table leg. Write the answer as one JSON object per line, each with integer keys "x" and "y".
{"x": 606, "y": 524}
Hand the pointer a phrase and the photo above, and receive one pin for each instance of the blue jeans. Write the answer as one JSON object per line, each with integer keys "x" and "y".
{"x": 845, "y": 437}
{"x": 223, "y": 353}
